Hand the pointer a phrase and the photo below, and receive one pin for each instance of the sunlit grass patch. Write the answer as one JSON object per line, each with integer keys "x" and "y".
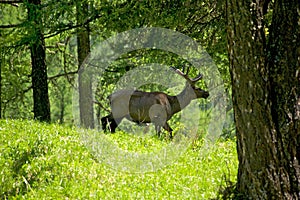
{"x": 42, "y": 161}
{"x": 136, "y": 143}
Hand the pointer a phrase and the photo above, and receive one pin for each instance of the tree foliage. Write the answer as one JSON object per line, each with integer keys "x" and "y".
{"x": 202, "y": 21}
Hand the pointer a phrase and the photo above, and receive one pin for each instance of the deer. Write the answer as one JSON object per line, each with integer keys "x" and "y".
{"x": 151, "y": 107}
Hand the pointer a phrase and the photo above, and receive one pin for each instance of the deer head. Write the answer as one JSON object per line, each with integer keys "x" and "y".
{"x": 190, "y": 88}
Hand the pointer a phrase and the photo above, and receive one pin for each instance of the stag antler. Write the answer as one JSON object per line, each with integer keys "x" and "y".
{"x": 185, "y": 75}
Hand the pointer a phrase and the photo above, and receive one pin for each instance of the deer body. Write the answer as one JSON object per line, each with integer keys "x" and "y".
{"x": 150, "y": 107}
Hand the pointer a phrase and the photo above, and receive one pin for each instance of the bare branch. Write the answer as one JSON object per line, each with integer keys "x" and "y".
{"x": 101, "y": 106}
{"x": 60, "y": 75}
{"x": 10, "y": 26}
{"x": 70, "y": 27}
{"x": 11, "y": 2}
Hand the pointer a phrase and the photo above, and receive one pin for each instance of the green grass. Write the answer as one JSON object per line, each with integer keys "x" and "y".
{"x": 42, "y": 161}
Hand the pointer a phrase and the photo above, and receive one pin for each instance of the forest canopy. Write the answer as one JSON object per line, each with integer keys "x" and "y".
{"x": 57, "y": 22}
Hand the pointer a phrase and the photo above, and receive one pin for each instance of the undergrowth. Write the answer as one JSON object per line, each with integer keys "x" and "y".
{"x": 42, "y": 161}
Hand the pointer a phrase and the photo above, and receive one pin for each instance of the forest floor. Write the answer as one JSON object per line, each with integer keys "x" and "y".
{"x": 51, "y": 161}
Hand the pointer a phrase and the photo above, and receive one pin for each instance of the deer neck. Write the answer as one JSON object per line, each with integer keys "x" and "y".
{"x": 183, "y": 99}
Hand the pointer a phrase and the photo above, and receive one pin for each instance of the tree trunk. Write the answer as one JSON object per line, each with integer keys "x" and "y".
{"x": 85, "y": 80}
{"x": 265, "y": 93}
{"x": 1, "y": 63}
{"x": 62, "y": 105}
{"x": 284, "y": 66}
{"x": 41, "y": 104}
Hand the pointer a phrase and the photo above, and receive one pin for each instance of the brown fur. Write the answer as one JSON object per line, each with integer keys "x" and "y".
{"x": 150, "y": 107}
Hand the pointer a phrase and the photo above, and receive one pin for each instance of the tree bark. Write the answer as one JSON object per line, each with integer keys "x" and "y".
{"x": 41, "y": 103}
{"x": 85, "y": 80}
{"x": 1, "y": 63}
{"x": 265, "y": 93}
{"x": 284, "y": 65}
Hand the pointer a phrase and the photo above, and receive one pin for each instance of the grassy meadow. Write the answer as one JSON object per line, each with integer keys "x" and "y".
{"x": 51, "y": 161}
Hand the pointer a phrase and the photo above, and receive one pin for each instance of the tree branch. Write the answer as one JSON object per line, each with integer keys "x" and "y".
{"x": 18, "y": 95}
{"x": 101, "y": 106}
{"x": 11, "y": 2}
{"x": 60, "y": 75}
{"x": 10, "y": 26}
{"x": 70, "y": 27}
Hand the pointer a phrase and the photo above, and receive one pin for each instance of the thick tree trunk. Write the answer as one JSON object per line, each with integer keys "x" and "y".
{"x": 284, "y": 65}
{"x": 266, "y": 117}
{"x": 41, "y": 103}
{"x": 85, "y": 80}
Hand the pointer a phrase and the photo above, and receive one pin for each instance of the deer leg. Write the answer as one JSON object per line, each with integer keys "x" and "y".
{"x": 157, "y": 129}
{"x": 111, "y": 122}
{"x": 104, "y": 121}
{"x": 114, "y": 123}
{"x": 169, "y": 129}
